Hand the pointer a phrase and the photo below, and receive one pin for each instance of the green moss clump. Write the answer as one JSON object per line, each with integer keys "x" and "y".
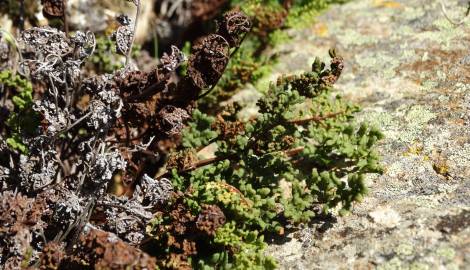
{"x": 23, "y": 120}
{"x": 303, "y": 156}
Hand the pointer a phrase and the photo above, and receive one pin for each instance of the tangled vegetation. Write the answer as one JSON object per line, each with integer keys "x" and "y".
{"x": 100, "y": 161}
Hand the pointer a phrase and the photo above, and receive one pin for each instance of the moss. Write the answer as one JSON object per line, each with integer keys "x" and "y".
{"x": 419, "y": 115}
{"x": 428, "y": 85}
{"x": 446, "y": 253}
{"x": 379, "y": 63}
{"x": 444, "y": 36}
{"x": 461, "y": 157}
{"x": 419, "y": 266}
{"x": 416, "y": 118}
{"x": 23, "y": 120}
{"x": 278, "y": 37}
{"x": 393, "y": 264}
{"x": 351, "y": 37}
{"x": 404, "y": 250}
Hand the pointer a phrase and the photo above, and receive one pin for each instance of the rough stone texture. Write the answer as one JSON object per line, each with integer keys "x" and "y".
{"x": 409, "y": 68}
{"x": 94, "y": 15}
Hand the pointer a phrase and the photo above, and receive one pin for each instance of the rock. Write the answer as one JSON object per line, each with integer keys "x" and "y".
{"x": 386, "y": 217}
{"x": 95, "y": 15}
{"x": 407, "y": 66}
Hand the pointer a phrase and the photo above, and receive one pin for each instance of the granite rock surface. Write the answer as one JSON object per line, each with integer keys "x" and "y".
{"x": 408, "y": 67}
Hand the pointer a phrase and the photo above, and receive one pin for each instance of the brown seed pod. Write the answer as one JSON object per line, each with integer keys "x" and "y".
{"x": 233, "y": 26}
{"x": 208, "y": 60}
{"x": 55, "y": 8}
{"x": 337, "y": 65}
{"x": 172, "y": 61}
{"x": 123, "y": 39}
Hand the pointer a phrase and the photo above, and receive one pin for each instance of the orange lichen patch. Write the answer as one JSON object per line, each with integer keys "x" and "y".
{"x": 414, "y": 150}
{"x": 440, "y": 164}
{"x": 320, "y": 29}
{"x": 459, "y": 122}
{"x": 453, "y": 105}
{"x": 445, "y": 61}
{"x": 387, "y": 4}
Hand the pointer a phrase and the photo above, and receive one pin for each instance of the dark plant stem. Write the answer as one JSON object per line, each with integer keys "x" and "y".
{"x": 294, "y": 151}
{"x": 290, "y": 153}
{"x": 128, "y": 132}
{"x": 145, "y": 132}
{"x": 205, "y": 162}
{"x": 208, "y": 161}
{"x": 137, "y": 15}
{"x": 74, "y": 124}
{"x": 64, "y": 19}
{"x": 231, "y": 55}
{"x": 65, "y": 149}
{"x": 208, "y": 91}
{"x": 21, "y": 18}
{"x": 316, "y": 118}
{"x": 147, "y": 92}
{"x": 155, "y": 43}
